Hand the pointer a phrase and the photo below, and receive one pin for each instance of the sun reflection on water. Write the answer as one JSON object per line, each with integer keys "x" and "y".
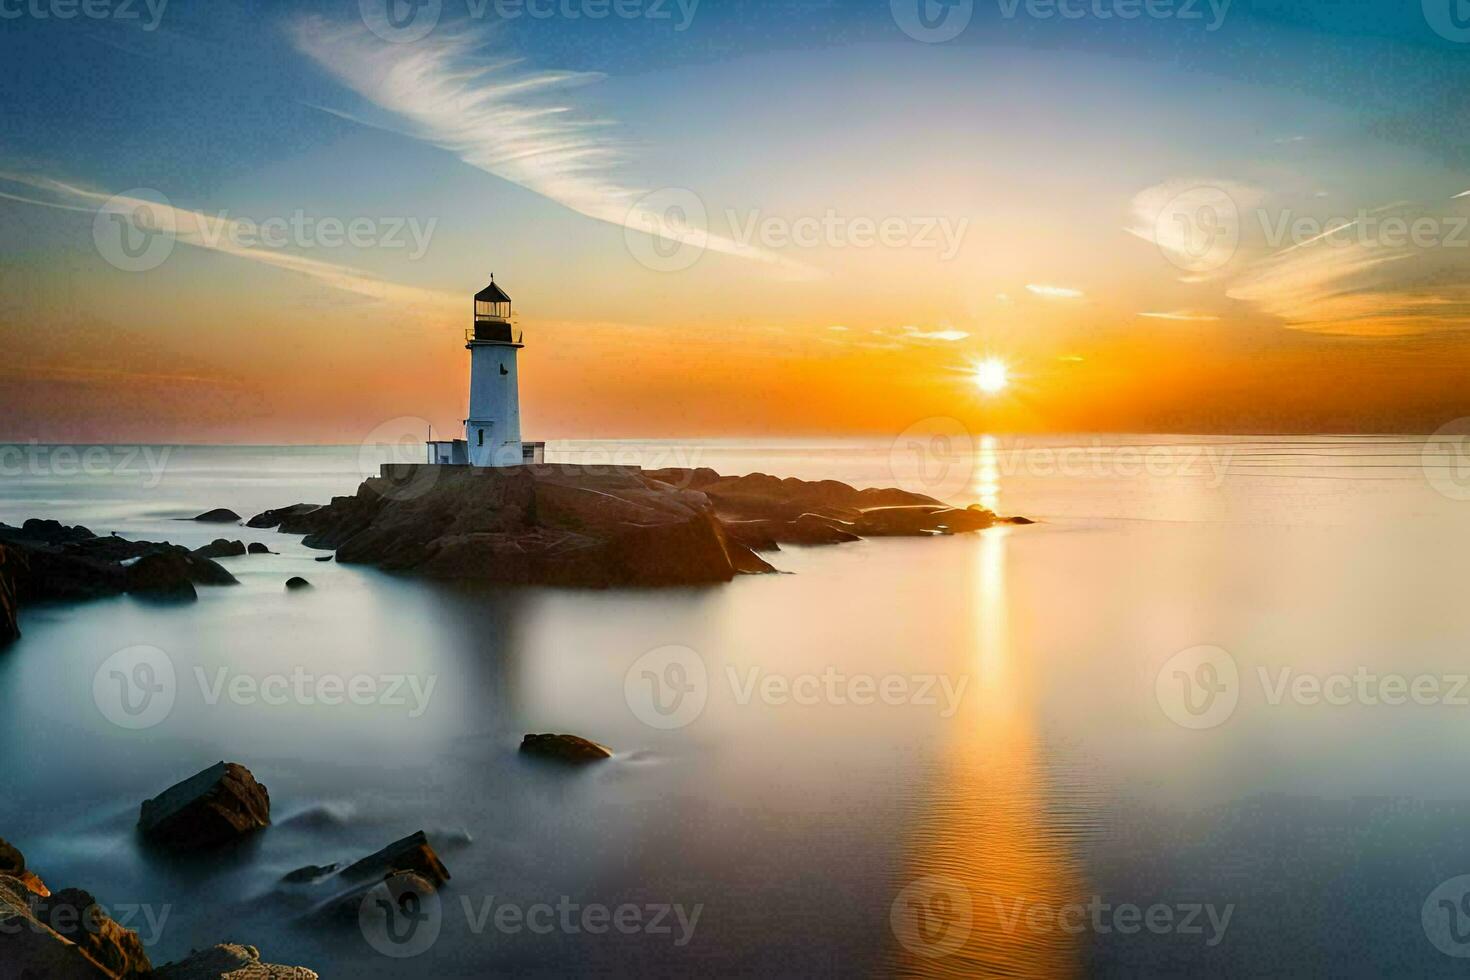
{"x": 986, "y": 841}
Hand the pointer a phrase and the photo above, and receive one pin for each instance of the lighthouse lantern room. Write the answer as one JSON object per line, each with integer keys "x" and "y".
{"x": 493, "y": 426}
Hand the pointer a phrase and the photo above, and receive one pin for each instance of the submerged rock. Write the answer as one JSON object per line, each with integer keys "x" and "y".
{"x": 311, "y": 872}
{"x": 220, "y": 548}
{"x": 220, "y": 515}
{"x": 213, "y": 807}
{"x": 565, "y": 748}
{"x": 413, "y": 854}
{"x": 229, "y": 961}
{"x": 297, "y": 582}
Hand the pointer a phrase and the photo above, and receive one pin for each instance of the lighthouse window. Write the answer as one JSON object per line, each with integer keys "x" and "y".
{"x": 480, "y": 435}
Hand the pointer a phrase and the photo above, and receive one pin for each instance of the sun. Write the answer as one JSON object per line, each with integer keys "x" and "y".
{"x": 991, "y": 376}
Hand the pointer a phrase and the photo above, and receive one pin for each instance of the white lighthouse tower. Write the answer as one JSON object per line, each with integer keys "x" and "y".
{"x": 493, "y": 426}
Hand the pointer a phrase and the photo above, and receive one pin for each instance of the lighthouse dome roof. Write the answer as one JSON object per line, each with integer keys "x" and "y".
{"x": 492, "y": 294}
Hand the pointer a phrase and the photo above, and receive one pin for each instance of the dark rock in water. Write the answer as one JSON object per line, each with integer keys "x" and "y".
{"x": 256, "y": 548}
{"x": 565, "y": 748}
{"x": 297, "y": 582}
{"x": 213, "y": 807}
{"x": 173, "y": 573}
{"x": 284, "y": 518}
{"x": 309, "y": 873}
{"x": 220, "y": 515}
{"x": 53, "y": 532}
{"x": 412, "y": 854}
{"x": 1019, "y": 520}
{"x": 220, "y": 548}
{"x": 10, "y": 560}
{"x": 323, "y": 558}
{"x": 66, "y": 937}
{"x": 229, "y": 961}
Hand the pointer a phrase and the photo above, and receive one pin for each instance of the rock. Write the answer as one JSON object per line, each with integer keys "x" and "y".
{"x": 284, "y": 518}
{"x": 229, "y": 961}
{"x": 545, "y": 524}
{"x": 10, "y": 560}
{"x": 163, "y": 576}
{"x": 54, "y": 562}
{"x": 323, "y": 558}
{"x": 256, "y": 548}
{"x": 65, "y": 937}
{"x": 75, "y": 915}
{"x": 412, "y": 854}
{"x": 760, "y": 509}
{"x": 213, "y": 807}
{"x": 564, "y": 748}
{"x": 1019, "y": 520}
{"x": 220, "y": 548}
{"x": 311, "y": 872}
{"x": 220, "y": 515}
{"x": 297, "y": 582}
{"x": 13, "y": 865}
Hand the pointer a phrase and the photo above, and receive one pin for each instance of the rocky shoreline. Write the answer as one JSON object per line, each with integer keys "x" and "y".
{"x": 548, "y": 524}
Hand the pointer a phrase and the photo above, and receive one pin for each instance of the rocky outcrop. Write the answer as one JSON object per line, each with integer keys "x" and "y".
{"x": 229, "y": 961}
{"x": 220, "y": 515}
{"x": 551, "y": 525}
{"x": 565, "y": 748}
{"x": 285, "y": 518}
{"x": 256, "y": 548}
{"x": 13, "y": 865}
{"x": 66, "y": 936}
{"x": 49, "y": 561}
{"x": 213, "y": 807}
{"x": 766, "y": 511}
{"x": 10, "y": 560}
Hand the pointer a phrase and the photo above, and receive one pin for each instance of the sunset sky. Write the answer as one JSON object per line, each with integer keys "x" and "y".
{"x": 1126, "y": 212}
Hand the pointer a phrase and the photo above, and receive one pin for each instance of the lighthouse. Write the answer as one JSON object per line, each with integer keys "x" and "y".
{"x": 492, "y": 427}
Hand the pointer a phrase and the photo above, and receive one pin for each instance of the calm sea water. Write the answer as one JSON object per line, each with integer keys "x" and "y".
{"x": 1091, "y": 745}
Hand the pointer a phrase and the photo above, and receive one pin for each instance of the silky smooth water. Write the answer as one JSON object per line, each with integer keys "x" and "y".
{"x": 931, "y": 756}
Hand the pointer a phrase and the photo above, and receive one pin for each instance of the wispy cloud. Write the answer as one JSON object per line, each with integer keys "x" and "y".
{"x": 1054, "y": 292}
{"x": 221, "y": 233}
{"x": 1194, "y": 221}
{"x": 1460, "y": 195}
{"x": 1183, "y": 316}
{"x": 946, "y": 335}
{"x": 507, "y": 120}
